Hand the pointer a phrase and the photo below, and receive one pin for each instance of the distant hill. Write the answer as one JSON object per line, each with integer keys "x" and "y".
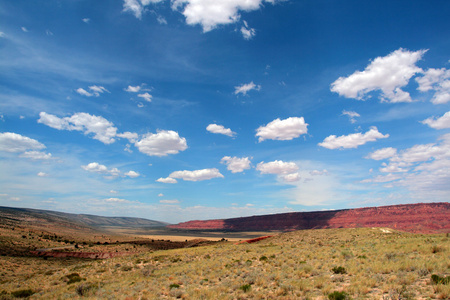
{"x": 37, "y": 217}
{"x": 418, "y": 218}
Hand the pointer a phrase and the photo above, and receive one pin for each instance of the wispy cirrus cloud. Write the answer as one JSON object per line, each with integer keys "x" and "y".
{"x": 245, "y": 88}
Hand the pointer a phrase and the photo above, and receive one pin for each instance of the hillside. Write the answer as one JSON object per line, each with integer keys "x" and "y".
{"x": 419, "y": 218}
{"x": 37, "y": 217}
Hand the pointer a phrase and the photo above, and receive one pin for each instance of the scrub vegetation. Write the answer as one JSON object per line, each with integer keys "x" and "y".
{"x": 365, "y": 263}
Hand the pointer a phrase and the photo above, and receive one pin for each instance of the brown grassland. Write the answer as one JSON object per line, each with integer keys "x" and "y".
{"x": 364, "y": 263}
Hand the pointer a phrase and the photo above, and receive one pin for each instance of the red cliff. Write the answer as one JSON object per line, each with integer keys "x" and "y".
{"x": 419, "y": 218}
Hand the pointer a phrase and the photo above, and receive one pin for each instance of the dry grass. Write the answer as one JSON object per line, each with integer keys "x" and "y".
{"x": 295, "y": 265}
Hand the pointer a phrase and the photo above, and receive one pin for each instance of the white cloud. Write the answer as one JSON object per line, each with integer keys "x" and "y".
{"x": 37, "y": 155}
{"x": 247, "y": 32}
{"x": 24, "y": 29}
{"x": 86, "y": 20}
{"x": 383, "y": 178}
{"x": 166, "y": 180}
{"x": 160, "y": 195}
{"x": 146, "y": 96}
{"x": 214, "y": 128}
{"x": 42, "y": 174}
{"x": 383, "y": 153}
{"x": 102, "y": 129}
{"x": 209, "y": 14}
{"x": 294, "y": 177}
{"x": 132, "y": 174}
{"x": 278, "y": 167}
{"x": 352, "y": 140}
{"x": 161, "y": 20}
{"x": 318, "y": 173}
{"x": 48, "y": 32}
{"x": 113, "y": 192}
{"x": 13, "y": 142}
{"x": 169, "y": 201}
{"x": 137, "y": 7}
{"x": 394, "y": 168}
{"x": 95, "y": 91}
{"x": 236, "y": 164}
{"x": 95, "y": 167}
{"x": 162, "y": 143}
{"x": 131, "y": 136}
{"x": 351, "y": 114}
{"x": 245, "y": 88}
{"x": 197, "y": 175}
{"x": 387, "y": 74}
{"x": 437, "y": 80}
{"x": 117, "y": 200}
{"x": 137, "y": 89}
{"x": 439, "y": 123}
{"x": 2, "y": 34}
{"x": 282, "y": 130}
{"x": 83, "y": 92}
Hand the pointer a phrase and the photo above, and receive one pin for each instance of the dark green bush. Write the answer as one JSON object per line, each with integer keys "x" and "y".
{"x": 22, "y": 293}
{"x": 339, "y": 270}
{"x": 246, "y": 287}
{"x": 263, "y": 258}
{"x": 174, "y": 286}
{"x": 436, "y": 279}
{"x": 74, "y": 277}
{"x": 338, "y": 296}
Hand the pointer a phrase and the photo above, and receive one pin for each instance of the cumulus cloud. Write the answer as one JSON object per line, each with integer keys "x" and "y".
{"x": 245, "y": 88}
{"x": 318, "y": 172}
{"x": 37, "y": 155}
{"x": 383, "y": 153}
{"x": 387, "y": 74}
{"x": 102, "y": 129}
{"x": 352, "y": 140}
{"x": 42, "y": 174}
{"x": 95, "y": 90}
{"x": 286, "y": 171}
{"x": 351, "y": 114}
{"x": 197, "y": 175}
{"x": 166, "y": 180}
{"x": 15, "y": 143}
{"x": 282, "y": 130}
{"x": 210, "y": 14}
{"x": 86, "y": 20}
{"x": 278, "y": 167}
{"x": 424, "y": 169}
{"x": 219, "y": 129}
{"x": 438, "y": 123}
{"x": 236, "y": 164}
{"x": 132, "y": 174}
{"x": 162, "y": 143}
{"x": 117, "y": 200}
{"x": 437, "y": 80}
{"x": 95, "y": 167}
{"x": 131, "y": 136}
{"x": 247, "y": 32}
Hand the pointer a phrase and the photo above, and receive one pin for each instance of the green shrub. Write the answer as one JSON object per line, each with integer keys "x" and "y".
{"x": 263, "y": 258}
{"x": 73, "y": 277}
{"x": 339, "y": 270}
{"x": 86, "y": 289}
{"x": 174, "y": 286}
{"x": 338, "y": 296}
{"x": 246, "y": 287}
{"x": 436, "y": 279}
{"x": 22, "y": 293}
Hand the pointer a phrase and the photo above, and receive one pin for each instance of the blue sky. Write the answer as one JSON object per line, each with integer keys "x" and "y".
{"x": 180, "y": 110}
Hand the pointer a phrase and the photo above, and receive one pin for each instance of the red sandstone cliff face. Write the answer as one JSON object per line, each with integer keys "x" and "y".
{"x": 419, "y": 218}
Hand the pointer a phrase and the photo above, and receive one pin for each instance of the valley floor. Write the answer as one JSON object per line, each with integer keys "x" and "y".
{"x": 366, "y": 263}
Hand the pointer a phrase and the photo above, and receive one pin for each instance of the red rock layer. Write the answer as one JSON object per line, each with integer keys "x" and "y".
{"x": 419, "y": 218}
